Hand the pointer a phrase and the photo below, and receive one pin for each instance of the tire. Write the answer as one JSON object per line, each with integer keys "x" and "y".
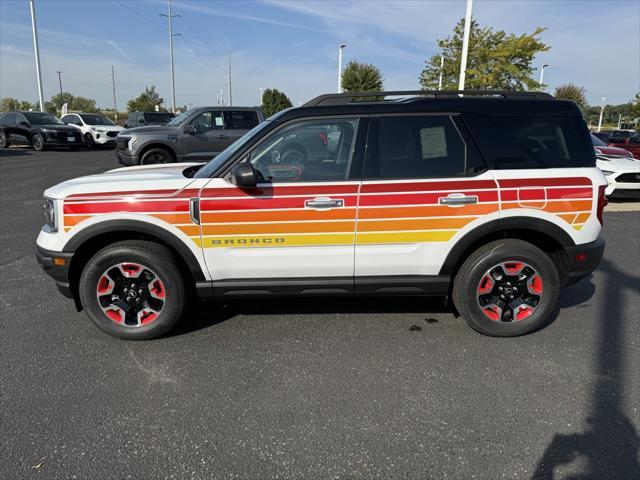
{"x": 4, "y": 141}
{"x": 37, "y": 142}
{"x": 484, "y": 285}
{"x": 89, "y": 141}
{"x": 156, "y": 156}
{"x": 152, "y": 309}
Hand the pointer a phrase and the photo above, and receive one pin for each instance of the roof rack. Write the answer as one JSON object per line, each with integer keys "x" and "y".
{"x": 346, "y": 98}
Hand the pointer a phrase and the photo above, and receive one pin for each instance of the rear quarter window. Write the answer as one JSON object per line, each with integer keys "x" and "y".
{"x": 240, "y": 119}
{"x": 521, "y": 142}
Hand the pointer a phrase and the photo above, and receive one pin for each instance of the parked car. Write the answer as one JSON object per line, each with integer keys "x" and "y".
{"x": 623, "y": 176}
{"x": 141, "y": 119}
{"x": 96, "y": 128}
{"x": 624, "y": 139}
{"x": 38, "y": 129}
{"x": 493, "y": 199}
{"x": 197, "y": 134}
{"x": 604, "y": 150}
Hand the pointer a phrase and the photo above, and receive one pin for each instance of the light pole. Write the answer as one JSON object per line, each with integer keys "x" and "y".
{"x": 59, "y": 72}
{"x": 173, "y": 78}
{"x": 36, "y": 49}
{"x": 113, "y": 84}
{"x": 465, "y": 44}
{"x": 542, "y": 74}
{"x": 260, "y": 103}
{"x": 601, "y": 113}
{"x": 340, "y": 67}
{"x": 229, "y": 75}
{"x": 441, "y": 70}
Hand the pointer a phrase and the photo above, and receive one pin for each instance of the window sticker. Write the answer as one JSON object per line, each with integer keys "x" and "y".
{"x": 218, "y": 121}
{"x": 433, "y": 142}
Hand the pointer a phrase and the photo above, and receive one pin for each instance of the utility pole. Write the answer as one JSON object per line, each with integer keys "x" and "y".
{"x": 340, "y": 67}
{"x": 59, "y": 72}
{"x": 542, "y": 74}
{"x": 465, "y": 44}
{"x": 173, "y": 78}
{"x": 601, "y": 112}
{"x": 113, "y": 84}
{"x": 441, "y": 70}
{"x": 260, "y": 102}
{"x": 36, "y": 49}
{"x": 229, "y": 76}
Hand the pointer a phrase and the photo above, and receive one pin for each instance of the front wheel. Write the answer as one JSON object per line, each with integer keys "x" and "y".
{"x": 4, "y": 141}
{"x": 507, "y": 288}
{"x": 37, "y": 141}
{"x": 155, "y": 156}
{"x": 133, "y": 290}
{"x": 89, "y": 141}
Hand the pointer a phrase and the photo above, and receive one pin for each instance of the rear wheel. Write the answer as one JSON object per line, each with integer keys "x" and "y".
{"x": 156, "y": 155}
{"x": 506, "y": 288}
{"x": 37, "y": 141}
{"x": 133, "y": 290}
{"x": 4, "y": 141}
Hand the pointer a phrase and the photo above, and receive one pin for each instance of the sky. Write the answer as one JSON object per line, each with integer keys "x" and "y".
{"x": 293, "y": 45}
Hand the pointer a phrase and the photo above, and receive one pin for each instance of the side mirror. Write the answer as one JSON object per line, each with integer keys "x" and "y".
{"x": 141, "y": 121}
{"x": 243, "y": 175}
{"x": 189, "y": 129}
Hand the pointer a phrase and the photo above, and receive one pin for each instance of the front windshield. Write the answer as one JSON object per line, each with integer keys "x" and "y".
{"x": 228, "y": 152}
{"x": 96, "y": 120}
{"x": 181, "y": 118}
{"x": 597, "y": 142}
{"x": 39, "y": 118}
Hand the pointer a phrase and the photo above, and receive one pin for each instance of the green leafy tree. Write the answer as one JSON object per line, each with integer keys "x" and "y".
{"x": 8, "y": 104}
{"x": 80, "y": 104}
{"x": 496, "y": 60}
{"x": 146, "y": 101}
{"x": 273, "y": 101}
{"x": 362, "y": 77}
{"x": 571, "y": 91}
{"x": 25, "y": 105}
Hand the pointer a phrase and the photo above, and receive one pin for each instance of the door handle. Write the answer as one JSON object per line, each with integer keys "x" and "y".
{"x": 454, "y": 199}
{"x": 223, "y": 136}
{"x": 324, "y": 203}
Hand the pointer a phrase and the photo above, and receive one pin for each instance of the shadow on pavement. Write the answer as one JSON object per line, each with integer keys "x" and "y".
{"x": 609, "y": 448}
{"x": 12, "y": 152}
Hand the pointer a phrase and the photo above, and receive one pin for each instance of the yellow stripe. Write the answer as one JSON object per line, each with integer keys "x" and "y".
{"x": 405, "y": 237}
{"x": 254, "y": 241}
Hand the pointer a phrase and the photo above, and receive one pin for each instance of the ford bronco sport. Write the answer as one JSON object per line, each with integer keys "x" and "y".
{"x": 491, "y": 199}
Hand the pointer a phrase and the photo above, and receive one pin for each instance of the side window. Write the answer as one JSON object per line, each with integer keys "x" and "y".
{"x": 418, "y": 147}
{"x": 76, "y": 120}
{"x": 207, "y": 121}
{"x": 319, "y": 150}
{"x": 8, "y": 120}
{"x": 240, "y": 119}
{"x": 66, "y": 119}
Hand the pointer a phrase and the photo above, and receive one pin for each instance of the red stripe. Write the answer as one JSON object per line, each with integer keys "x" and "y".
{"x": 261, "y": 203}
{"x": 133, "y": 207}
{"x": 190, "y": 192}
{"x": 311, "y": 190}
{"x": 543, "y": 182}
{"x": 460, "y": 185}
{"x": 552, "y": 194}
{"x": 420, "y": 198}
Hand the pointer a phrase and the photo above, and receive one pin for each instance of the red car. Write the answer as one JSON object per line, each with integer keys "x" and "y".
{"x": 622, "y": 139}
{"x": 605, "y": 150}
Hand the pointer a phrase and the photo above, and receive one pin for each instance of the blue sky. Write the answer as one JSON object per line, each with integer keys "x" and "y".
{"x": 292, "y": 45}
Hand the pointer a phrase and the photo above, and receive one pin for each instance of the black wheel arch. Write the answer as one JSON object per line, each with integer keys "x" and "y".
{"x": 154, "y": 145}
{"x": 547, "y": 236}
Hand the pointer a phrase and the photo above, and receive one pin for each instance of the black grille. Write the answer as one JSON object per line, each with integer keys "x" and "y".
{"x": 112, "y": 134}
{"x": 122, "y": 142}
{"x": 628, "y": 178}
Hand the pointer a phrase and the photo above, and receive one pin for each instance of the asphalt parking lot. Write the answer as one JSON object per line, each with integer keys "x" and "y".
{"x": 313, "y": 388}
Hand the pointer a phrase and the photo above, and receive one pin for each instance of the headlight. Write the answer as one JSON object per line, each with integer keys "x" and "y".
{"x": 93, "y": 129}
{"x": 48, "y": 130}
{"x": 132, "y": 142}
{"x": 608, "y": 172}
{"x": 50, "y": 215}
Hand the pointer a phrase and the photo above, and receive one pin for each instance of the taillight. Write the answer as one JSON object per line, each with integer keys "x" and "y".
{"x": 602, "y": 202}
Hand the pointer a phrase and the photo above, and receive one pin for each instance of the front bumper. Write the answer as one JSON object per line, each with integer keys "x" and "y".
{"x": 583, "y": 259}
{"x": 59, "y": 273}
{"x": 126, "y": 159}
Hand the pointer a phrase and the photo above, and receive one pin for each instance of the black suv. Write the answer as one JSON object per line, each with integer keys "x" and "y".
{"x": 141, "y": 119}
{"x": 38, "y": 129}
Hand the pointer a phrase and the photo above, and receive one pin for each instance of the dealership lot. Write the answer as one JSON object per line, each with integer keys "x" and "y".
{"x": 311, "y": 388}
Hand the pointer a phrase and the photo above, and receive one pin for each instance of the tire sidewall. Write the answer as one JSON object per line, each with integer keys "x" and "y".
{"x": 34, "y": 142}
{"x": 145, "y": 157}
{"x": 4, "y": 141}
{"x": 166, "y": 270}
{"x": 88, "y": 139}
{"x": 467, "y": 301}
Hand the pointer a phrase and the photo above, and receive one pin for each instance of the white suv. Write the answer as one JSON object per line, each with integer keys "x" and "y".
{"x": 96, "y": 129}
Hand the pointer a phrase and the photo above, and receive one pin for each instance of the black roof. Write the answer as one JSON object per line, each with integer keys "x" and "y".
{"x": 493, "y": 103}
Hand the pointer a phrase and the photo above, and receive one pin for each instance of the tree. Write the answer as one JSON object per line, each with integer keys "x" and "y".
{"x": 80, "y": 104}
{"x": 8, "y": 104}
{"x": 496, "y": 61}
{"x": 273, "y": 101}
{"x": 571, "y": 91}
{"x": 362, "y": 77}
{"x": 146, "y": 101}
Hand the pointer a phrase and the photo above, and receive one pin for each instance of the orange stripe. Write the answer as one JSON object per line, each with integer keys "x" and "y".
{"x": 583, "y": 217}
{"x": 430, "y": 211}
{"x": 568, "y": 217}
{"x": 563, "y": 206}
{"x": 267, "y": 228}
{"x": 174, "y": 217}
{"x": 407, "y": 225}
{"x": 278, "y": 216}
{"x": 70, "y": 220}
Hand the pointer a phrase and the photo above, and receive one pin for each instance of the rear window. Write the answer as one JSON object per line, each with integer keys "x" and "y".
{"x": 240, "y": 119}
{"x": 158, "y": 117}
{"x": 533, "y": 142}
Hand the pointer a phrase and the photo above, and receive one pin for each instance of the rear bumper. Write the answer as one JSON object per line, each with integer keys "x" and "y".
{"x": 583, "y": 259}
{"x": 59, "y": 273}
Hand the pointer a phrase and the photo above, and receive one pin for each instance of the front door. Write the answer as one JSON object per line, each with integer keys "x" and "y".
{"x": 297, "y": 226}
{"x": 208, "y": 139}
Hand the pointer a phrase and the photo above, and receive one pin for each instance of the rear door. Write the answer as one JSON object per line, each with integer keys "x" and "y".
{"x": 423, "y": 188}
{"x": 8, "y": 124}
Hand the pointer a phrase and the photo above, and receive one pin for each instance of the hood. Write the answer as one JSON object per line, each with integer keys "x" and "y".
{"x": 612, "y": 151}
{"x": 151, "y": 130}
{"x": 619, "y": 164}
{"x": 128, "y": 180}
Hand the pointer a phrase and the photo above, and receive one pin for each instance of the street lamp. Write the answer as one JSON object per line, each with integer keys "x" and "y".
{"x": 441, "y": 70}
{"x": 601, "y": 113}
{"x": 465, "y": 44}
{"x": 542, "y": 74}
{"x": 340, "y": 67}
